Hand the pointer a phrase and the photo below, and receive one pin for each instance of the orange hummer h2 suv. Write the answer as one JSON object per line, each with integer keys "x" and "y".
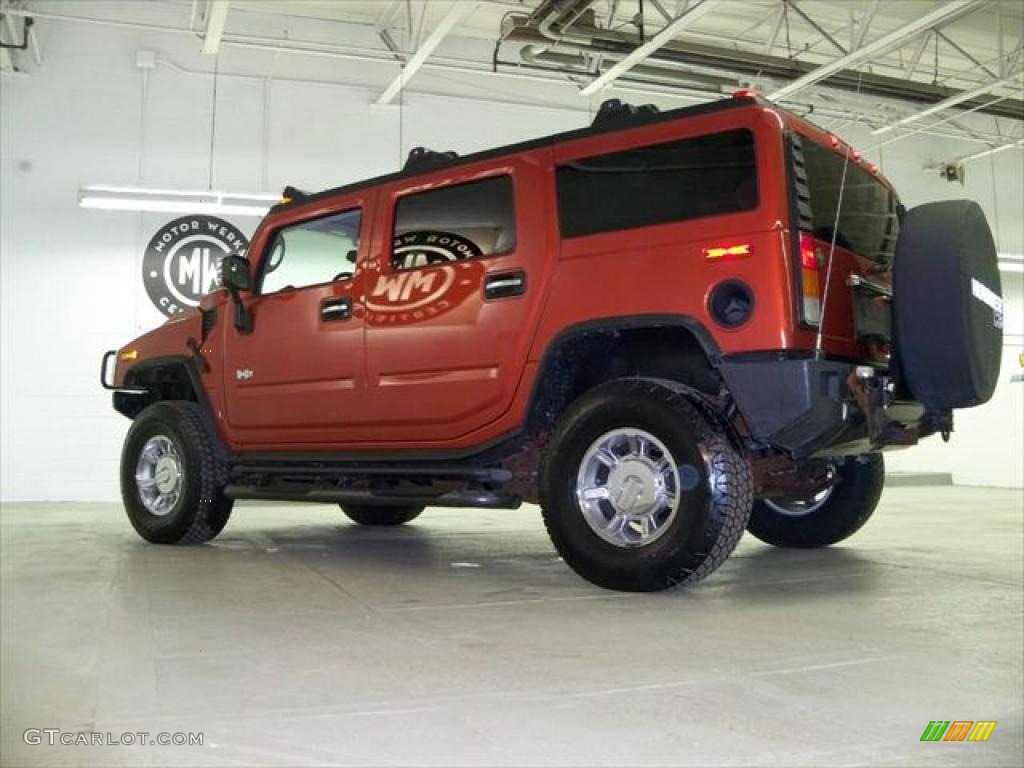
{"x": 665, "y": 328}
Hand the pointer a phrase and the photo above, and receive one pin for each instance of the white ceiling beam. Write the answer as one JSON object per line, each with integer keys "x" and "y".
{"x": 992, "y": 151}
{"x": 456, "y": 13}
{"x": 879, "y": 45}
{"x": 865, "y": 24}
{"x": 915, "y": 57}
{"x": 216, "y": 16}
{"x": 780, "y": 17}
{"x": 669, "y": 33}
{"x": 952, "y": 101}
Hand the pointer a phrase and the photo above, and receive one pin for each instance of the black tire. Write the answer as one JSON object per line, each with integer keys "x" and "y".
{"x": 843, "y": 512}
{"x": 368, "y": 514}
{"x": 947, "y": 305}
{"x": 201, "y": 510}
{"x": 714, "y": 503}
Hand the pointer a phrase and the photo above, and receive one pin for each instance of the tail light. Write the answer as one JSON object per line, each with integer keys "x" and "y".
{"x": 810, "y": 288}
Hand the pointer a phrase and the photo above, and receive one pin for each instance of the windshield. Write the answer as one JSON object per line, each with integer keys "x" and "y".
{"x": 867, "y": 222}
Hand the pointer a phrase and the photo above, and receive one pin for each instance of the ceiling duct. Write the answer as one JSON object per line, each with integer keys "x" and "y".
{"x": 579, "y": 63}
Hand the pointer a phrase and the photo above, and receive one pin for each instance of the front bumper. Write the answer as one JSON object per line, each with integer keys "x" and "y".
{"x": 810, "y": 407}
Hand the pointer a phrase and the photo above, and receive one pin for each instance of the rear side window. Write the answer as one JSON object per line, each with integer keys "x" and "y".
{"x": 464, "y": 221}
{"x": 312, "y": 252}
{"x": 686, "y": 179}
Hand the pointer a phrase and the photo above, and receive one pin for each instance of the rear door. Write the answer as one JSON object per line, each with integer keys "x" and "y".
{"x": 846, "y": 212}
{"x": 453, "y": 296}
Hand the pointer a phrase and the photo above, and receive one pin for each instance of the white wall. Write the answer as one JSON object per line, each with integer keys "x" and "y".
{"x": 70, "y": 283}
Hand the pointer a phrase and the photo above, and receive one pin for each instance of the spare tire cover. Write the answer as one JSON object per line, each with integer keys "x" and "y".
{"x": 948, "y": 307}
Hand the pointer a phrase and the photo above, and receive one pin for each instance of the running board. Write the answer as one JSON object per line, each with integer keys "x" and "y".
{"x": 401, "y": 472}
{"x": 461, "y": 498}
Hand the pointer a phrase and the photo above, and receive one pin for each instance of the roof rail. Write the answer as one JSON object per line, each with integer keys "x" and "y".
{"x": 421, "y": 159}
{"x": 614, "y": 110}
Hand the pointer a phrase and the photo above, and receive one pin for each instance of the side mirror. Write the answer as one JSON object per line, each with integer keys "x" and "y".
{"x": 235, "y": 276}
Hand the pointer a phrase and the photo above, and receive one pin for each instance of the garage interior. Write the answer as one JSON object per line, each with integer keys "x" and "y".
{"x": 298, "y": 638}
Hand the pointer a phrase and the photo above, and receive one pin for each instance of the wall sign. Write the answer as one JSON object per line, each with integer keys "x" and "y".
{"x": 182, "y": 260}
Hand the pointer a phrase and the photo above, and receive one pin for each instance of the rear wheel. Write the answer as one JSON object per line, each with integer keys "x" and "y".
{"x": 367, "y": 514}
{"x": 640, "y": 491}
{"x": 173, "y": 476}
{"x": 827, "y": 517}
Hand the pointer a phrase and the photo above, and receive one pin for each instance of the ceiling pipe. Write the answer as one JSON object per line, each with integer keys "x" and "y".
{"x": 579, "y": 64}
{"x": 555, "y": 17}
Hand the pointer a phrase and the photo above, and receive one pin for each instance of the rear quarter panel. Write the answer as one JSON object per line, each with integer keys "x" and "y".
{"x": 662, "y": 269}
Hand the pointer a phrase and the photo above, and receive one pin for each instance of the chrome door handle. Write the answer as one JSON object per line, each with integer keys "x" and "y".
{"x": 503, "y": 285}
{"x": 332, "y": 310}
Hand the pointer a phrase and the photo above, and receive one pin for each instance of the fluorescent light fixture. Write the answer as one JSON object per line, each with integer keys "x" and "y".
{"x": 175, "y": 201}
{"x": 1011, "y": 262}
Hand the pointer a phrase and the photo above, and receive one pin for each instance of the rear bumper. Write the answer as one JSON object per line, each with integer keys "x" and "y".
{"x": 810, "y": 407}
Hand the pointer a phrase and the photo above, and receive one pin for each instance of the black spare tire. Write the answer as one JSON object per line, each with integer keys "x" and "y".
{"x": 948, "y": 307}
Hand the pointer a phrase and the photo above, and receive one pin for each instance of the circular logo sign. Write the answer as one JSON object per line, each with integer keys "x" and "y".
{"x": 182, "y": 261}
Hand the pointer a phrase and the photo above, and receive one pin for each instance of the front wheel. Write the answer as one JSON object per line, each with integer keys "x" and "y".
{"x": 829, "y": 516}
{"x": 173, "y": 475}
{"x": 640, "y": 492}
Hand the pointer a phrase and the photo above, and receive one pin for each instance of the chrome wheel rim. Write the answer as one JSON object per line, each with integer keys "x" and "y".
{"x": 800, "y": 507}
{"x": 159, "y": 475}
{"x": 627, "y": 487}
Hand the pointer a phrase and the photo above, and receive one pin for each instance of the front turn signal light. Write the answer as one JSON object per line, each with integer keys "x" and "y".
{"x": 128, "y": 355}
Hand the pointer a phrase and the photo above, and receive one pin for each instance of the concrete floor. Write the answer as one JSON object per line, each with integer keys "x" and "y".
{"x": 297, "y": 638}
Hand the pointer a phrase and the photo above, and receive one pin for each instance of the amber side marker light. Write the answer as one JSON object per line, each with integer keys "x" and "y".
{"x": 128, "y": 354}
{"x": 728, "y": 251}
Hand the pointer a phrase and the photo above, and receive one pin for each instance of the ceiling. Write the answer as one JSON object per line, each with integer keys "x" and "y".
{"x": 968, "y": 60}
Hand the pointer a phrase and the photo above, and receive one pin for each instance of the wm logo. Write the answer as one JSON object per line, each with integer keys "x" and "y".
{"x": 958, "y": 730}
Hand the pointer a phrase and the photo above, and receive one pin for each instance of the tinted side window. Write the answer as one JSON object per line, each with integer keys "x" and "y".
{"x": 312, "y": 252}
{"x": 687, "y": 179}
{"x": 464, "y": 221}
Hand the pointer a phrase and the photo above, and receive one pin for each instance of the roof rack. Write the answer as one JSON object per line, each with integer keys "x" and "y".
{"x": 614, "y": 110}
{"x": 421, "y": 159}
{"x": 293, "y": 193}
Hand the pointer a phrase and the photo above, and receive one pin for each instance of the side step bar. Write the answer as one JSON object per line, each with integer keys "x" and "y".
{"x": 459, "y": 498}
{"x": 479, "y": 474}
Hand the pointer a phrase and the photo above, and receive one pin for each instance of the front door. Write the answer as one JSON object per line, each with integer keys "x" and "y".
{"x": 296, "y": 378}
